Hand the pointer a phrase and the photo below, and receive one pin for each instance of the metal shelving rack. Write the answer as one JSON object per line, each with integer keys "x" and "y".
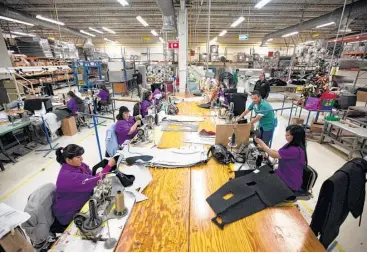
{"x": 86, "y": 65}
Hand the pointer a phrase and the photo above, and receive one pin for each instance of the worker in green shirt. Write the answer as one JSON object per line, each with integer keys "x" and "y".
{"x": 264, "y": 115}
{"x": 235, "y": 77}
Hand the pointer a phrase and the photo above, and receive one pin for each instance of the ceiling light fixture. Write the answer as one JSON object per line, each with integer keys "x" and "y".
{"x": 109, "y": 40}
{"x": 142, "y": 21}
{"x": 223, "y": 33}
{"x": 327, "y": 24}
{"x": 269, "y": 40}
{"x": 108, "y": 30}
{"x": 123, "y": 2}
{"x": 154, "y": 33}
{"x": 24, "y": 34}
{"x": 289, "y": 34}
{"x": 95, "y": 30}
{"x": 87, "y": 33}
{"x": 50, "y": 20}
{"x": 261, "y": 4}
{"x": 161, "y": 39}
{"x": 238, "y": 21}
{"x": 15, "y": 21}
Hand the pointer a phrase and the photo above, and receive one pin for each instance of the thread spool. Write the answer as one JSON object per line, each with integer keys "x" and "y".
{"x": 120, "y": 208}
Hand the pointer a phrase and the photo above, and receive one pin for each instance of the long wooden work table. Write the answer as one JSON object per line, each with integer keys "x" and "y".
{"x": 176, "y": 217}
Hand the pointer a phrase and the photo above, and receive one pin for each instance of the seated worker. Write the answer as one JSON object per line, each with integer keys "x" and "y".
{"x": 264, "y": 115}
{"x": 75, "y": 103}
{"x": 126, "y": 125}
{"x": 292, "y": 156}
{"x": 72, "y": 191}
{"x": 103, "y": 96}
{"x": 147, "y": 103}
{"x": 222, "y": 98}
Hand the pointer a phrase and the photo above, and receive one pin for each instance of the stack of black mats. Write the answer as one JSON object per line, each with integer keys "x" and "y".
{"x": 250, "y": 194}
{"x": 276, "y": 82}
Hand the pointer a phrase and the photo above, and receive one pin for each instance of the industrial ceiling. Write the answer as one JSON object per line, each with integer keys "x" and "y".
{"x": 276, "y": 15}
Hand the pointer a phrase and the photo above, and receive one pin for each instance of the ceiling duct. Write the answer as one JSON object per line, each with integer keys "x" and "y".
{"x": 12, "y": 13}
{"x": 169, "y": 16}
{"x": 355, "y": 9}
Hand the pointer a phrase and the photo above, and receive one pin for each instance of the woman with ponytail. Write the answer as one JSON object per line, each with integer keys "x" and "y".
{"x": 126, "y": 126}
{"x": 292, "y": 156}
{"x": 75, "y": 182}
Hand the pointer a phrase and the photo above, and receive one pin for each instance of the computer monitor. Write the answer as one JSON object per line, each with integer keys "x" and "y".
{"x": 239, "y": 100}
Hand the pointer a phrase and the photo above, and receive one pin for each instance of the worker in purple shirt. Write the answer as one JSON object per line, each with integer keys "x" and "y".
{"x": 74, "y": 103}
{"x": 292, "y": 156}
{"x": 126, "y": 126}
{"x": 74, "y": 184}
{"x": 103, "y": 96}
{"x": 158, "y": 95}
{"x": 222, "y": 98}
{"x": 147, "y": 103}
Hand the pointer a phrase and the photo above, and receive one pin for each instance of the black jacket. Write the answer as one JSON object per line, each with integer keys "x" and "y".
{"x": 263, "y": 87}
{"x": 342, "y": 193}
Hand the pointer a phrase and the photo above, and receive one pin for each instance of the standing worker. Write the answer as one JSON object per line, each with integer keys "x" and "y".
{"x": 264, "y": 115}
{"x": 235, "y": 78}
{"x": 138, "y": 78}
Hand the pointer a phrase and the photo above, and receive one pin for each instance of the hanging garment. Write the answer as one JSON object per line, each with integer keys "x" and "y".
{"x": 111, "y": 140}
{"x": 342, "y": 193}
{"x": 163, "y": 158}
{"x": 249, "y": 194}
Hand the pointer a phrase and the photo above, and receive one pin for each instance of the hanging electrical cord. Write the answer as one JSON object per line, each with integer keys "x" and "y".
{"x": 207, "y": 43}
{"x": 337, "y": 35}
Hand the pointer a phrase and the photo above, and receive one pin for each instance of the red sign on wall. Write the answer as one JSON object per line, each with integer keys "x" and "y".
{"x": 173, "y": 44}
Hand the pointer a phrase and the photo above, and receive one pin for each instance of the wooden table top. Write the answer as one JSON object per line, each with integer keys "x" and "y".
{"x": 176, "y": 217}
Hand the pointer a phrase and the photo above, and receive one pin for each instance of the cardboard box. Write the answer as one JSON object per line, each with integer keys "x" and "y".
{"x": 120, "y": 88}
{"x": 16, "y": 243}
{"x": 297, "y": 121}
{"x": 224, "y": 132}
{"x": 316, "y": 127}
{"x": 68, "y": 126}
{"x": 362, "y": 96}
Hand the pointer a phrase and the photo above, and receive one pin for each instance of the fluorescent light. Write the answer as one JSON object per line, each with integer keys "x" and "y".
{"x": 108, "y": 30}
{"x": 307, "y": 42}
{"x": 87, "y": 33}
{"x": 261, "y": 4}
{"x": 95, "y": 30}
{"x": 161, "y": 39}
{"x": 109, "y": 40}
{"x": 142, "y": 21}
{"x": 290, "y": 34}
{"x": 50, "y": 20}
{"x": 213, "y": 40}
{"x": 327, "y": 24}
{"x": 154, "y": 33}
{"x": 223, "y": 33}
{"x": 24, "y": 34}
{"x": 269, "y": 40}
{"x": 16, "y": 21}
{"x": 238, "y": 21}
{"x": 123, "y": 2}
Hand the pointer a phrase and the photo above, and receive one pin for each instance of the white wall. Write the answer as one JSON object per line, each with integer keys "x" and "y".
{"x": 156, "y": 52}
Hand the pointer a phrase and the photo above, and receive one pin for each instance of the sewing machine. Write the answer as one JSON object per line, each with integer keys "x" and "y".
{"x": 144, "y": 132}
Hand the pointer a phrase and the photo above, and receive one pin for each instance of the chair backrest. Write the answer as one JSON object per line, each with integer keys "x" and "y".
{"x": 39, "y": 206}
{"x": 309, "y": 179}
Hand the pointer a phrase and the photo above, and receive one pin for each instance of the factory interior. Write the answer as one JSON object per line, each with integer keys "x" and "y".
{"x": 183, "y": 125}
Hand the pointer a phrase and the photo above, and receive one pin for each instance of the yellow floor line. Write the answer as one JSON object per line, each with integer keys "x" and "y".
{"x": 39, "y": 171}
{"x": 339, "y": 247}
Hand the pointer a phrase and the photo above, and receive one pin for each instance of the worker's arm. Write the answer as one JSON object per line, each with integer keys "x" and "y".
{"x": 134, "y": 127}
{"x": 256, "y": 119}
{"x": 271, "y": 152}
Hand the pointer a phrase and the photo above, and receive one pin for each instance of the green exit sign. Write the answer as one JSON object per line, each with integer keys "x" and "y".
{"x": 243, "y": 37}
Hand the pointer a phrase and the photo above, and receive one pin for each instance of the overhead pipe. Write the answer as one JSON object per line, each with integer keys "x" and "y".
{"x": 355, "y": 9}
{"x": 13, "y": 13}
{"x": 169, "y": 15}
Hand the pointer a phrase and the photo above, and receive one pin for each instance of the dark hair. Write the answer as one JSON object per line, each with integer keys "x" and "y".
{"x": 237, "y": 70}
{"x": 136, "y": 70}
{"x": 103, "y": 87}
{"x": 122, "y": 110}
{"x": 77, "y": 99}
{"x": 70, "y": 151}
{"x": 299, "y": 138}
{"x": 256, "y": 93}
{"x": 146, "y": 95}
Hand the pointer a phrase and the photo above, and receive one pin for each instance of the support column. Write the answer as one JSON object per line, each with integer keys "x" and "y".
{"x": 182, "y": 55}
{"x": 4, "y": 56}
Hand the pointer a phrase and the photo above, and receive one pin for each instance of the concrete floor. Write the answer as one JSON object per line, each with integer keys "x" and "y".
{"x": 34, "y": 170}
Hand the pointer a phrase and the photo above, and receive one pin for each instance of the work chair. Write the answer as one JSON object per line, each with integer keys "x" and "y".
{"x": 309, "y": 179}
{"x": 107, "y": 108}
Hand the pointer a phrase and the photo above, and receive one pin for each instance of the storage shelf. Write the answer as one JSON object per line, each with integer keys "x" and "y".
{"x": 354, "y": 53}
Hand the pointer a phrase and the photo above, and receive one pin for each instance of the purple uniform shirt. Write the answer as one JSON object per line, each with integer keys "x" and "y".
{"x": 291, "y": 163}
{"x": 221, "y": 94}
{"x": 155, "y": 93}
{"x": 71, "y": 193}
{"x": 103, "y": 95}
{"x": 144, "y": 107}
{"x": 122, "y": 130}
{"x": 72, "y": 105}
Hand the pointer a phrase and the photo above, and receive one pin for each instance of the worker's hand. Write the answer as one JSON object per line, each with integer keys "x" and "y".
{"x": 138, "y": 122}
{"x": 138, "y": 117}
{"x": 112, "y": 162}
{"x": 260, "y": 142}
